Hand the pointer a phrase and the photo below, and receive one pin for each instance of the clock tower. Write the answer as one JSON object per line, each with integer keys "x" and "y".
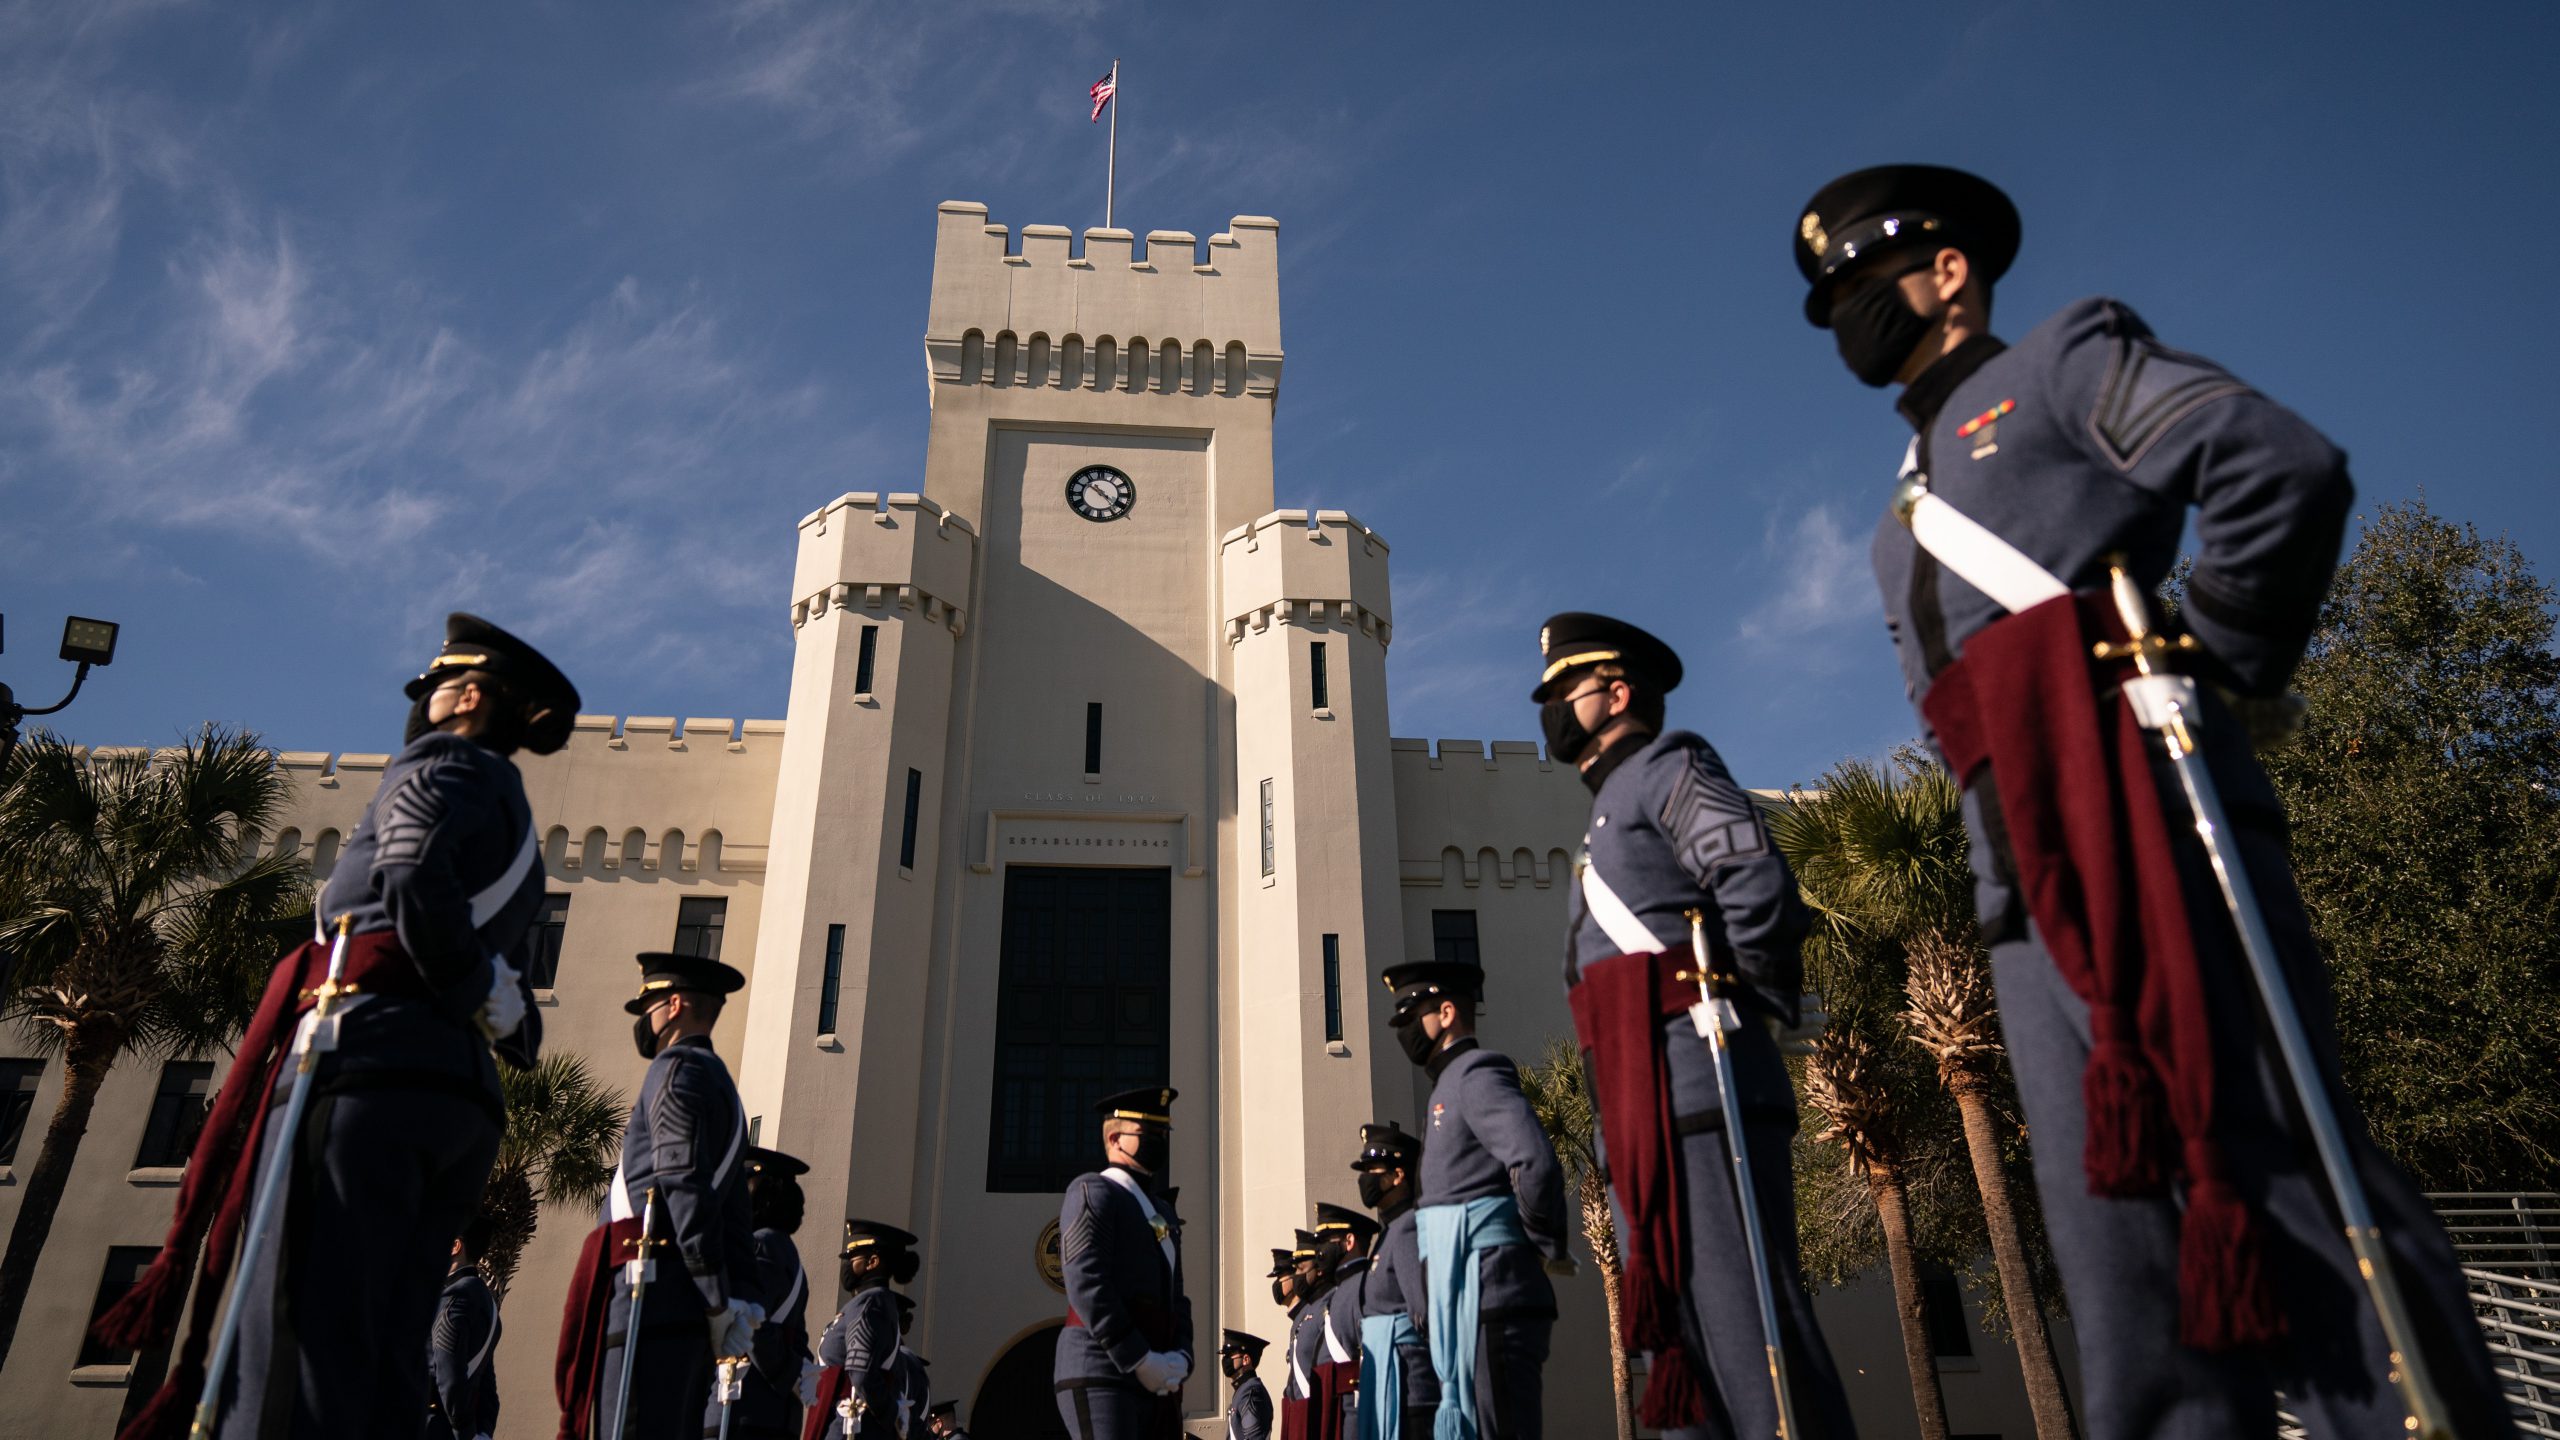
{"x": 1084, "y": 785}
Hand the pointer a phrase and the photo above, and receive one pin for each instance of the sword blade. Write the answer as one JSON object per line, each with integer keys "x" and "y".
{"x": 1746, "y": 1195}
{"x": 271, "y": 1176}
{"x": 631, "y": 1327}
{"x": 2429, "y": 1418}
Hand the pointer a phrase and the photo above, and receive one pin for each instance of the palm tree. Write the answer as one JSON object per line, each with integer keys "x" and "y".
{"x": 1559, "y": 1090}
{"x": 1881, "y": 855}
{"x": 1843, "y": 1084}
{"x": 140, "y": 923}
{"x": 563, "y": 1137}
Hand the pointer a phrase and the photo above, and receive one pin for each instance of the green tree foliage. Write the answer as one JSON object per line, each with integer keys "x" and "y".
{"x": 137, "y": 921}
{"x": 1559, "y": 1092}
{"x": 563, "y": 1138}
{"x": 2424, "y": 798}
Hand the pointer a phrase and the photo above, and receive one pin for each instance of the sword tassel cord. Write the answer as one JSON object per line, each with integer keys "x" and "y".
{"x": 2173, "y": 718}
{"x": 1715, "y": 993}
{"x": 311, "y": 1038}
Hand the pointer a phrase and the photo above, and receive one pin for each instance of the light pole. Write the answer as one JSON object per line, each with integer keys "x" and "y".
{"x": 85, "y": 642}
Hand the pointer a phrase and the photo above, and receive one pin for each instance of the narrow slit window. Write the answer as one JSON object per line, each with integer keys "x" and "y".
{"x": 1333, "y": 987}
{"x": 125, "y": 1264}
{"x": 542, "y": 943}
{"x": 177, "y": 1115}
{"x": 834, "y": 981}
{"x": 1093, "y": 738}
{"x": 915, "y": 801}
{"x": 865, "y": 659}
{"x": 1268, "y": 837}
{"x": 1317, "y": 687}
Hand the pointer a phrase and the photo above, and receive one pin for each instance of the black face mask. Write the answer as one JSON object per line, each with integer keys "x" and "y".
{"x": 1233, "y": 1365}
{"x": 1279, "y": 1296}
{"x": 646, "y": 1038}
{"x": 1566, "y": 737}
{"x": 1877, "y": 328}
{"x": 418, "y": 724}
{"x": 1418, "y": 1047}
{"x": 1152, "y": 1148}
{"x": 1374, "y": 1188}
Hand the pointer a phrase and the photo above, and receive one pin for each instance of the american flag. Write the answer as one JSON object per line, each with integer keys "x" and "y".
{"x": 1102, "y": 91}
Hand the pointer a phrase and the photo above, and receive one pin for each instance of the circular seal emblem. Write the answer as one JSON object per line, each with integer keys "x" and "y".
{"x": 1049, "y": 1260}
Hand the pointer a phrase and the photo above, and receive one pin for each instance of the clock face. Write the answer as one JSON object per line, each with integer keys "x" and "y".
{"x": 1098, "y": 492}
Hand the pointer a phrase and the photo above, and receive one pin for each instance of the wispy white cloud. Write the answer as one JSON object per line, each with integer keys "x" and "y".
{"x": 1821, "y": 580}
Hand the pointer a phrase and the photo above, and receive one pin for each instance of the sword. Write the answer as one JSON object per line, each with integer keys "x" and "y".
{"x": 316, "y": 1036}
{"x": 851, "y": 1407}
{"x": 2166, "y": 702}
{"x": 1714, "y": 1014}
{"x": 642, "y": 1269}
{"x": 733, "y": 1387}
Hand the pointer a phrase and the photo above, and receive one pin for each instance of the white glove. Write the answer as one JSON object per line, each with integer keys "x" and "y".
{"x": 807, "y": 1389}
{"x": 1160, "y": 1372}
{"x": 503, "y": 1011}
{"x": 1183, "y": 1374}
{"x": 733, "y": 1330}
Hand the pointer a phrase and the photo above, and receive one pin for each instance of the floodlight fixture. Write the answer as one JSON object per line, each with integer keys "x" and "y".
{"x": 89, "y": 642}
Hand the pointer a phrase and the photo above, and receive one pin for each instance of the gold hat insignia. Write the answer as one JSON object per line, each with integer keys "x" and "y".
{"x": 1814, "y": 235}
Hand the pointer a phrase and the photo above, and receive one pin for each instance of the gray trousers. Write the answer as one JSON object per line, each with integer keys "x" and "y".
{"x": 2119, "y": 1257}
{"x": 1117, "y": 1412}
{"x": 1511, "y": 1363}
{"x": 334, "y": 1325}
{"x": 1722, "y": 1315}
{"x": 671, "y": 1379}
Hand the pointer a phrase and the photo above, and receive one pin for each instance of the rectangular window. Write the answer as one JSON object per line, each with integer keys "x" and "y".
{"x": 18, "y": 1082}
{"x": 755, "y": 1130}
{"x": 1093, "y": 738}
{"x": 835, "y": 978}
{"x": 1942, "y": 1314}
{"x": 1083, "y": 1010}
{"x": 177, "y": 1113}
{"x": 915, "y": 800}
{"x": 1333, "y": 987}
{"x": 1453, "y": 936}
{"x": 1318, "y": 690}
{"x": 542, "y": 942}
{"x": 1269, "y": 839}
{"x": 865, "y": 658}
{"x": 698, "y": 924}
{"x": 125, "y": 1264}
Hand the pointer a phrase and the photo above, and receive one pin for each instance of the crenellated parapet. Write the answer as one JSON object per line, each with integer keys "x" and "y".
{"x": 902, "y": 555}
{"x": 1293, "y": 568}
{"x": 1159, "y": 317}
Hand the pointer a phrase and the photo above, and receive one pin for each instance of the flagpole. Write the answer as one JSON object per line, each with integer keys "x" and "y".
{"x": 1111, "y": 164}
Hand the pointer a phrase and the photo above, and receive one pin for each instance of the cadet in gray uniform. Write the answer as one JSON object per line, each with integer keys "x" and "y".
{"x": 1309, "y": 1279}
{"x": 462, "y": 1401}
{"x": 437, "y": 884}
{"x": 1126, "y": 1348}
{"x": 861, "y": 1347}
{"x": 1671, "y": 833}
{"x": 942, "y": 1422}
{"x": 1249, "y": 1408}
{"x": 686, "y": 1143}
{"x": 772, "y": 1386}
{"x": 2090, "y": 440}
{"x": 1492, "y": 1209}
{"x": 1347, "y": 1237}
{"x": 1397, "y": 1388}
{"x": 915, "y": 1381}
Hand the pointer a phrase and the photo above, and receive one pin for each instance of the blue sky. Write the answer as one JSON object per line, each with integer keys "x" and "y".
{"x": 319, "y": 320}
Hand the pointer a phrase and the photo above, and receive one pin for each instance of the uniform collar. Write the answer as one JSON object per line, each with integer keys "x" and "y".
{"x": 1619, "y": 752}
{"x": 1923, "y": 398}
{"x": 1447, "y": 1056}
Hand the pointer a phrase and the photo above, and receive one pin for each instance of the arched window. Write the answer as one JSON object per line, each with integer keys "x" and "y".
{"x": 1203, "y": 361}
{"x": 973, "y": 358}
{"x": 1168, "y": 369}
{"x": 1134, "y": 379}
{"x": 1071, "y": 363}
{"x": 1236, "y": 362}
{"x": 1039, "y": 376}
{"x": 1007, "y": 357}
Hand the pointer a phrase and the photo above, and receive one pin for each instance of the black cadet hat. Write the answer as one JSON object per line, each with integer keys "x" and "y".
{"x": 1148, "y": 1105}
{"x": 1577, "y": 638}
{"x": 1237, "y": 1342}
{"x": 874, "y": 1234}
{"x": 1387, "y": 1147}
{"x": 1332, "y": 1219}
{"x": 661, "y": 972}
{"x": 1900, "y": 207}
{"x": 906, "y": 1309}
{"x": 471, "y": 643}
{"x": 1282, "y": 1262}
{"x": 1416, "y": 981}
{"x": 944, "y": 1407}
{"x": 1307, "y": 1242}
{"x": 761, "y": 1161}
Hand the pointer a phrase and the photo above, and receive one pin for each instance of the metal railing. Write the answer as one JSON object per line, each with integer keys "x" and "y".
{"x": 2509, "y": 1248}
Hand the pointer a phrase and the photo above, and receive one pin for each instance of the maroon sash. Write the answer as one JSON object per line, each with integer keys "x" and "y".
{"x": 1619, "y": 1005}
{"x": 823, "y": 1419}
{"x": 2091, "y": 840}
{"x": 580, "y": 1359}
{"x": 202, "y": 1244}
{"x": 1297, "y": 1416}
{"x": 1335, "y": 1384}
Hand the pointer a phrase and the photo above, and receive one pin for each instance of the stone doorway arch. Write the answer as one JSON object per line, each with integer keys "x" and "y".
{"x": 1019, "y": 1398}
